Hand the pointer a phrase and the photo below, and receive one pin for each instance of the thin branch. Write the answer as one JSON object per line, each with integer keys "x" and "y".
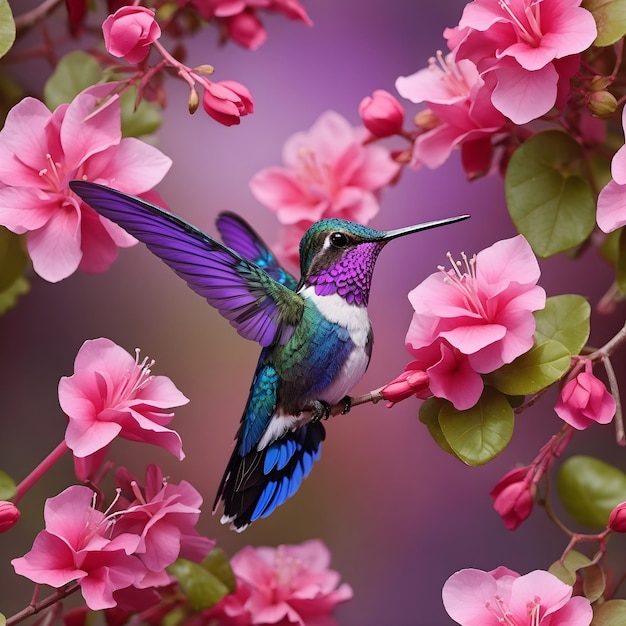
{"x": 30, "y": 18}
{"x": 619, "y": 418}
{"x": 35, "y": 607}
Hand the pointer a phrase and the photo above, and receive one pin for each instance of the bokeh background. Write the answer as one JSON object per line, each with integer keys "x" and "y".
{"x": 398, "y": 514}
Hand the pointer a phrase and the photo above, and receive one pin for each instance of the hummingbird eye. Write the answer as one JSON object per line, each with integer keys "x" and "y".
{"x": 339, "y": 239}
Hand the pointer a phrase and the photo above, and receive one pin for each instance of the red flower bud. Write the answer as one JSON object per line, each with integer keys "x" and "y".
{"x": 9, "y": 514}
{"x": 513, "y": 497}
{"x": 227, "y": 101}
{"x": 382, "y": 114}
{"x": 617, "y": 519}
{"x": 410, "y": 382}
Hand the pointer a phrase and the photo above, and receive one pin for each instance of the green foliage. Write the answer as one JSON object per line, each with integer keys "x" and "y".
{"x": 611, "y": 613}
{"x": 566, "y": 569}
{"x": 7, "y": 27}
{"x": 478, "y": 434}
{"x": 610, "y": 16}
{"x": 75, "y": 72}
{"x": 564, "y": 319}
{"x": 7, "y": 486}
{"x": 549, "y": 200}
{"x": 533, "y": 371}
{"x": 3, "y": 620}
{"x": 143, "y": 119}
{"x": 594, "y": 582}
{"x": 8, "y": 297}
{"x": 13, "y": 260}
{"x": 206, "y": 583}
{"x": 429, "y": 416}
{"x": 590, "y": 489}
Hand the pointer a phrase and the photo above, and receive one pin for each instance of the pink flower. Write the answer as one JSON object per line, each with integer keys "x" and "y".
{"x": 382, "y": 114}
{"x": 612, "y": 199}
{"x": 462, "y": 113}
{"x": 482, "y": 307}
{"x": 284, "y": 585}
{"x": 111, "y": 394}
{"x": 130, "y": 32}
{"x": 9, "y": 515}
{"x": 240, "y": 20}
{"x": 227, "y": 101}
{"x": 617, "y": 519}
{"x": 520, "y": 41}
{"x": 40, "y": 152}
{"x": 514, "y": 496}
{"x": 585, "y": 400}
{"x": 73, "y": 546}
{"x": 328, "y": 173}
{"x": 476, "y": 598}
{"x": 164, "y": 516}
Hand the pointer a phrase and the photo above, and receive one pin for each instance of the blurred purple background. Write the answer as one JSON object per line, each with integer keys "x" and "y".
{"x": 398, "y": 514}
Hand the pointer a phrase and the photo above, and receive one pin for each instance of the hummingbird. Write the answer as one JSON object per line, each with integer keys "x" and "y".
{"x": 315, "y": 333}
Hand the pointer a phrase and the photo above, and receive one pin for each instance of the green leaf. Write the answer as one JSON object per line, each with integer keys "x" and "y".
{"x": 564, "y": 319}
{"x": 217, "y": 563}
{"x": 143, "y": 120}
{"x": 75, "y": 71}
{"x": 3, "y": 620}
{"x": 202, "y": 588}
{"x": 590, "y": 489}
{"x": 8, "y": 298}
{"x": 429, "y": 416}
{"x": 610, "y": 16}
{"x": 7, "y": 27}
{"x": 611, "y": 613}
{"x": 594, "y": 582}
{"x": 566, "y": 569}
{"x": 549, "y": 200}
{"x": 538, "y": 368}
{"x": 7, "y": 486}
{"x": 478, "y": 434}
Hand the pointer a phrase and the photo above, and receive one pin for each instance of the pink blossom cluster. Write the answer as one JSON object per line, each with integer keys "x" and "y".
{"x": 131, "y": 31}
{"x": 470, "y": 320}
{"x": 240, "y": 21}
{"x": 290, "y": 584}
{"x": 112, "y": 394}
{"x": 40, "y": 152}
{"x": 510, "y": 61}
{"x": 329, "y": 172}
{"x": 473, "y": 597}
{"x": 126, "y": 551}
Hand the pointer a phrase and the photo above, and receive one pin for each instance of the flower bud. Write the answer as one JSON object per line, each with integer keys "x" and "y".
{"x": 600, "y": 83}
{"x": 9, "y": 514}
{"x": 514, "y": 497}
{"x": 617, "y": 519}
{"x": 410, "y": 382}
{"x": 227, "y": 101}
{"x": 129, "y": 32}
{"x": 382, "y": 114}
{"x": 204, "y": 69}
{"x": 426, "y": 120}
{"x": 585, "y": 400}
{"x": 194, "y": 101}
{"x": 601, "y": 103}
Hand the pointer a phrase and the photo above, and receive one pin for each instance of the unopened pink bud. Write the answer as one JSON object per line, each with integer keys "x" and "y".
{"x": 9, "y": 514}
{"x": 617, "y": 519}
{"x": 514, "y": 497}
{"x": 129, "y": 32}
{"x": 227, "y": 101}
{"x": 410, "y": 382}
{"x": 382, "y": 114}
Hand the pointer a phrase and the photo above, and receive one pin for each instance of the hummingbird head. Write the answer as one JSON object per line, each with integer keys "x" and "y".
{"x": 337, "y": 256}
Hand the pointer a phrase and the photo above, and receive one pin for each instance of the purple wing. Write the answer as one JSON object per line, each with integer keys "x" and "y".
{"x": 259, "y": 307}
{"x": 238, "y": 235}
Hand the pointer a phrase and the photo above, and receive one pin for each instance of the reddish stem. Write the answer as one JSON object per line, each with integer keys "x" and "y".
{"x": 39, "y": 471}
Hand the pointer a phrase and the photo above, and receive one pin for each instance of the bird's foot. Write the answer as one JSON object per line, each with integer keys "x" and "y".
{"x": 347, "y": 405}
{"x": 320, "y": 410}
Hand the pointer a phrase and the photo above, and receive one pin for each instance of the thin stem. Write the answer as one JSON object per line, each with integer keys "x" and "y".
{"x": 39, "y": 471}
{"x": 613, "y": 384}
{"x": 30, "y": 18}
{"x": 34, "y": 607}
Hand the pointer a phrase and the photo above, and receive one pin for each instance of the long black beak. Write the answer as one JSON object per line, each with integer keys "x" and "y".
{"x": 400, "y": 232}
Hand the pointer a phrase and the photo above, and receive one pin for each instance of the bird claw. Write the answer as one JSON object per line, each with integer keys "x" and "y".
{"x": 347, "y": 404}
{"x": 321, "y": 410}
